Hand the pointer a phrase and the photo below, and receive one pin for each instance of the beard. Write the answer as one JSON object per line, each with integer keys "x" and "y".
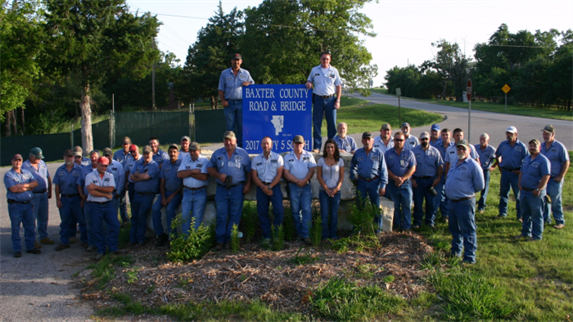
{"x": 69, "y": 162}
{"x": 461, "y": 156}
{"x": 425, "y": 144}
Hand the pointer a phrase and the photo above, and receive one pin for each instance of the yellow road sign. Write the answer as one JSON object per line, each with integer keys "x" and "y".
{"x": 506, "y": 88}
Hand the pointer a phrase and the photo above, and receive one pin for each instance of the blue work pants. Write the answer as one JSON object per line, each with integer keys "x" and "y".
{"x": 323, "y": 106}
{"x": 234, "y": 119}
{"x": 532, "y": 214}
{"x": 105, "y": 213}
{"x": 22, "y": 214}
{"x": 301, "y": 203}
{"x": 441, "y": 200}
{"x": 229, "y": 210}
{"x": 508, "y": 180}
{"x": 142, "y": 204}
{"x": 462, "y": 225}
{"x": 329, "y": 208}
{"x": 40, "y": 209}
{"x": 89, "y": 224}
{"x": 263, "y": 202}
{"x": 421, "y": 193}
{"x": 123, "y": 207}
{"x": 483, "y": 197}
{"x": 71, "y": 210}
{"x": 554, "y": 191}
{"x": 402, "y": 197}
{"x": 170, "y": 210}
{"x": 371, "y": 190}
{"x": 193, "y": 205}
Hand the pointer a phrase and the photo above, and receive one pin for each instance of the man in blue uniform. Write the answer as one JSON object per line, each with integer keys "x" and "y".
{"x": 533, "y": 178}
{"x": 325, "y": 98}
{"x": 410, "y": 140}
{"x": 83, "y": 191}
{"x": 170, "y": 195}
{"x": 465, "y": 179}
{"x": 510, "y": 155}
{"x": 442, "y": 199}
{"x": 193, "y": 171}
{"x": 231, "y": 84}
{"x": 146, "y": 184}
{"x": 79, "y": 159}
{"x": 100, "y": 185}
{"x": 384, "y": 141}
{"x": 429, "y": 167}
{"x": 267, "y": 171}
{"x": 368, "y": 172}
{"x": 486, "y": 154}
{"x": 115, "y": 168}
{"x": 231, "y": 167}
{"x": 68, "y": 200}
{"x": 346, "y": 144}
{"x": 42, "y": 193}
{"x": 557, "y": 154}
{"x": 184, "y": 152}
{"x": 159, "y": 156}
{"x": 130, "y": 168}
{"x": 435, "y": 138}
{"x": 122, "y": 155}
{"x": 19, "y": 185}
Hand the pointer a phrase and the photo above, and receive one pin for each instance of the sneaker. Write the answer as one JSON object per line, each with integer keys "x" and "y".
{"x": 559, "y": 226}
{"x": 220, "y": 246}
{"x": 62, "y": 247}
{"x": 72, "y": 240}
{"x": 90, "y": 248}
{"x": 307, "y": 241}
{"x": 37, "y": 245}
{"x": 34, "y": 251}
{"x": 98, "y": 256}
{"x": 17, "y": 254}
{"x": 47, "y": 241}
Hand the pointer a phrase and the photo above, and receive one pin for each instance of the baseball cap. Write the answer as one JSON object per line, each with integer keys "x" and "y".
{"x": 386, "y": 126}
{"x": 194, "y": 146}
{"x": 535, "y": 141}
{"x": 549, "y": 128}
{"x": 147, "y": 149}
{"x": 68, "y": 153}
{"x": 103, "y": 160}
{"x": 17, "y": 157}
{"x": 77, "y": 154}
{"x": 366, "y": 135}
{"x": 37, "y": 152}
{"x": 107, "y": 151}
{"x": 186, "y": 138}
{"x": 229, "y": 135}
{"x": 405, "y": 124}
{"x": 463, "y": 143}
{"x": 126, "y": 140}
{"x": 298, "y": 139}
{"x": 133, "y": 147}
{"x": 173, "y": 145}
{"x": 237, "y": 56}
{"x": 424, "y": 135}
{"x": 435, "y": 127}
{"x": 78, "y": 149}
{"x": 511, "y": 129}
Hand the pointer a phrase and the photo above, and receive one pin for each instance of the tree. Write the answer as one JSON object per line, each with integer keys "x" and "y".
{"x": 452, "y": 66}
{"x": 92, "y": 39}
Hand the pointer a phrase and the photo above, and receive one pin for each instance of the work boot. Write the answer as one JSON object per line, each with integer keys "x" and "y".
{"x": 62, "y": 247}
{"x": 34, "y": 251}
{"x": 72, "y": 240}
{"x": 47, "y": 241}
{"x": 37, "y": 245}
{"x": 17, "y": 254}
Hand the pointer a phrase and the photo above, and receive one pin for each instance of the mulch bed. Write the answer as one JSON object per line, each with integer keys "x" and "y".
{"x": 270, "y": 276}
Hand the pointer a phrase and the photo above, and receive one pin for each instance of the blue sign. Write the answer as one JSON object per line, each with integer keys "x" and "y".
{"x": 279, "y": 112}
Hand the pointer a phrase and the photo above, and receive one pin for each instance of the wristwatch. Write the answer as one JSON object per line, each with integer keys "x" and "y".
{"x": 538, "y": 189}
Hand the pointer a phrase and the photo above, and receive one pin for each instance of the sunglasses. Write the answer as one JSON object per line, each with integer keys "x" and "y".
{"x": 398, "y": 140}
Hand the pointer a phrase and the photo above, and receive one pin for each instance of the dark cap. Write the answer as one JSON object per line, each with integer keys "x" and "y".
{"x": 463, "y": 143}
{"x": 173, "y": 146}
{"x": 126, "y": 140}
{"x": 229, "y": 135}
{"x": 37, "y": 152}
{"x": 549, "y": 128}
{"x": 17, "y": 157}
{"x": 366, "y": 135}
{"x": 103, "y": 160}
{"x": 147, "y": 149}
{"x": 298, "y": 139}
{"x": 107, "y": 151}
{"x": 535, "y": 141}
{"x": 68, "y": 153}
{"x": 386, "y": 126}
{"x": 405, "y": 124}
{"x": 133, "y": 147}
{"x": 194, "y": 146}
{"x": 237, "y": 56}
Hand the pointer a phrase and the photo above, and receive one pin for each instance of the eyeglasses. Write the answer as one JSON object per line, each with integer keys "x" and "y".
{"x": 424, "y": 139}
{"x": 104, "y": 165}
{"x": 398, "y": 140}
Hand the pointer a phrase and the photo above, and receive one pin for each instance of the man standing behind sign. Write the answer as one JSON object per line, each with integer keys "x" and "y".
{"x": 327, "y": 83}
{"x": 231, "y": 84}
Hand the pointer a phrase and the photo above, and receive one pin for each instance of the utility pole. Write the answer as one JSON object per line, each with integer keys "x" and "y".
{"x": 153, "y": 81}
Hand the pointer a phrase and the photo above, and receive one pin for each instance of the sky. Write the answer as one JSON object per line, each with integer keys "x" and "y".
{"x": 405, "y": 29}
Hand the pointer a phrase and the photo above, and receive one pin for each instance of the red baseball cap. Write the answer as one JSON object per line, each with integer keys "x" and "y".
{"x": 103, "y": 160}
{"x": 133, "y": 147}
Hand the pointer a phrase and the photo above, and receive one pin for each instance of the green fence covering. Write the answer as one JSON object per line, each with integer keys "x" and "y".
{"x": 168, "y": 127}
{"x": 52, "y": 145}
{"x": 209, "y": 126}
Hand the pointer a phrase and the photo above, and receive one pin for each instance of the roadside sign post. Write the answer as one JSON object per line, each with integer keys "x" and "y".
{"x": 469, "y": 95}
{"x": 399, "y": 93}
{"x": 506, "y": 89}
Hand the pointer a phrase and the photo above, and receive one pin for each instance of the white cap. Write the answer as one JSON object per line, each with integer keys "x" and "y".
{"x": 424, "y": 135}
{"x": 511, "y": 129}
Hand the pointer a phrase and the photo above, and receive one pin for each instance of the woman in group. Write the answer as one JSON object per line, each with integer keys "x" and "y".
{"x": 330, "y": 175}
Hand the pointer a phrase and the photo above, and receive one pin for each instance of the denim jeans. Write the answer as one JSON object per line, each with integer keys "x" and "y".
{"x": 462, "y": 226}
{"x": 323, "y": 106}
{"x": 71, "y": 210}
{"x": 139, "y": 211}
{"x": 329, "y": 208}
{"x": 301, "y": 203}
{"x": 402, "y": 197}
{"x": 441, "y": 200}
{"x": 263, "y": 202}
{"x": 21, "y": 214}
{"x": 123, "y": 207}
{"x": 234, "y": 119}
{"x": 554, "y": 190}
{"x": 532, "y": 214}
{"x": 89, "y": 224}
{"x": 508, "y": 179}
{"x": 229, "y": 210}
{"x": 169, "y": 212}
{"x": 483, "y": 198}
{"x": 365, "y": 189}
{"x": 105, "y": 213}
{"x": 193, "y": 204}
{"x": 41, "y": 211}
{"x": 421, "y": 193}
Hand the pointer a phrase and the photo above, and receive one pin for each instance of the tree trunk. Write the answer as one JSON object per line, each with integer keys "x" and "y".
{"x": 87, "y": 138}
{"x": 23, "y": 122}
{"x": 8, "y": 124}
{"x": 15, "y": 124}
{"x": 213, "y": 102}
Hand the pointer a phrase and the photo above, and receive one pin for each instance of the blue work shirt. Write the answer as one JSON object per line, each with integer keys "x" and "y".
{"x": 168, "y": 173}
{"x": 121, "y": 156}
{"x": 86, "y": 161}
{"x": 188, "y": 164}
{"x": 299, "y": 167}
{"x": 411, "y": 142}
{"x": 41, "y": 175}
{"x": 452, "y": 154}
{"x": 511, "y": 157}
{"x": 347, "y": 144}
{"x": 150, "y": 185}
{"x": 267, "y": 168}
{"x": 464, "y": 180}
{"x": 12, "y": 178}
{"x": 532, "y": 170}
{"x": 557, "y": 155}
{"x": 107, "y": 180}
{"x": 232, "y": 85}
{"x": 486, "y": 156}
{"x": 427, "y": 162}
{"x": 399, "y": 164}
{"x": 238, "y": 166}
{"x": 324, "y": 80}
{"x": 116, "y": 169}
{"x": 67, "y": 180}
{"x": 160, "y": 157}
{"x": 442, "y": 148}
{"x": 434, "y": 143}
{"x": 129, "y": 166}
{"x": 368, "y": 166}
{"x": 379, "y": 144}
{"x": 83, "y": 174}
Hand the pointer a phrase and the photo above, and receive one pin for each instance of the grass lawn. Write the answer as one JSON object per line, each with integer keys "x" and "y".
{"x": 362, "y": 116}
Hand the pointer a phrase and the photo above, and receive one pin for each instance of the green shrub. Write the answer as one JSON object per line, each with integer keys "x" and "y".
{"x": 235, "y": 239}
{"x": 362, "y": 216}
{"x": 278, "y": 235}
{"x": 288, "y": 225}
{"x": 316, "y": 229}
{"x": 249, "y": 220}
{"x": 195, "y": 245}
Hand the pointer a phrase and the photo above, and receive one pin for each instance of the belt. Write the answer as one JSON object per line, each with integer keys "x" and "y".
{"x": 40, "y": 191}
{"x": 233, "y": 99}
{"x": 236, "y": 184}
{"x": 100, "y": 203}
{"x": 424, "y": 177}
{"x": 368, "y": 180}
{"x": 528, "y": 189}
{"x": 70, "y": 196}
{"x": 506, "y": 169}
{"x": 146, "y": 193}
{"x": 462, "y": 199}
{"x": 195, "y": 189}
{"x": 324, "y": 96}
{"x": 11, "y": 201}
{"x": 267, "y": 183}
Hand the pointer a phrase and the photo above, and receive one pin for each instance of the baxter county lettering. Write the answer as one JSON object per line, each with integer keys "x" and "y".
{"x": 284, "y": 93}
